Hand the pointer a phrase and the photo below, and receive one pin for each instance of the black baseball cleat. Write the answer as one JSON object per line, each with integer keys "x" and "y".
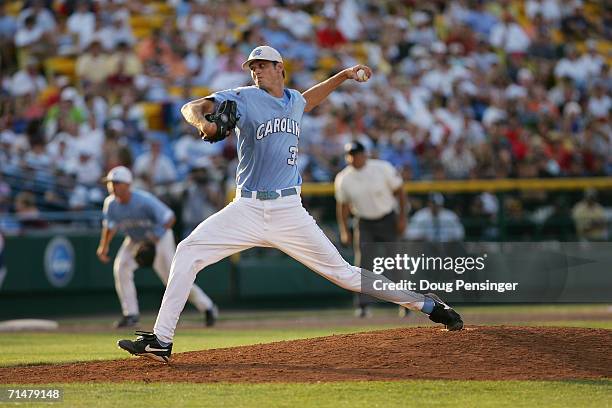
{"x": 443, "y": 313}
{"x": 211, "y": 315}
{"x": 126, "y": 321}
{"x": 146, "y": 345}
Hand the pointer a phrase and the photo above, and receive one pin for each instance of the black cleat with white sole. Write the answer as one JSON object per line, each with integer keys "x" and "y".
{"x": 443, "y": 313}
{"x": 146, "y": 345}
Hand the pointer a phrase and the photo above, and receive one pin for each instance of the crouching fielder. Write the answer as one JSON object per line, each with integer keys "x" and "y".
{"x": 141, "y": 217}
{"x": 267, "y": 210}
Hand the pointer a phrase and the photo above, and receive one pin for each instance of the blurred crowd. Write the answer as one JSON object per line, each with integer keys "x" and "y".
{"x": 465, "y": 89}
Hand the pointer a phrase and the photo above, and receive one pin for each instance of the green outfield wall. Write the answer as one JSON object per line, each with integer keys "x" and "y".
{"x": 61, "y": 275}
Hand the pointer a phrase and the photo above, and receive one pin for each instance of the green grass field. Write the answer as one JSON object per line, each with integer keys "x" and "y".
{"x": 93, "y": 344}
{"x": 342, "y": 394}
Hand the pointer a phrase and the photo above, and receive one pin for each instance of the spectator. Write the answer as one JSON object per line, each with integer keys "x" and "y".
{"x": 8, "y": 25}
{"x": 81, "y": 24}
{"x": 293, "y": 19}
{"x": 509, "y": 36}
{"x": 92, "y": 66}
{"x": 123, "y": 66}
{"x": 28, "y": 81}
{"x": 458, "y": 161}
{"x": 84, "y": 167}
{"x": 115, "y": 32}
{"x": 5, "y": 195}
{"x": 114, "y": 148}
{"x": 159, "y": 58}
{"x": 154, "y": 167}
{"x": 592, "y": 61}
{"x": 202, "y": 196}
{"x": 600, "y": 103}
{"x": 65, "y": 116}
{"x": 479, "y": 19}
{"x": 8, "y": 28}
{"x": 590, "y": 218}
{"x": 27, "y": 212}
{"x": 423, "y": 32}
{"x": 542, "y": 46}
{"x": 42, "y": 16}
{"x": 328, "y": 35}
{"x": 576, "y": 26}
{"x": 228, "y": 72}
{"x": 571, "y": 66}
{"x": 189, "y": 150}
{"x": 548, "y": 9}
{"x": 435, "y": 223}
{"x": 32, "y": 39}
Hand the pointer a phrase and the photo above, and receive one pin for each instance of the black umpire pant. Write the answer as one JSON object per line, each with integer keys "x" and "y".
{"x": 370, "y": 231}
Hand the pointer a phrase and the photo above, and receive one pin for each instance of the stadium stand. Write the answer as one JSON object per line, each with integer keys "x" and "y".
{"x": 463, "y": 90}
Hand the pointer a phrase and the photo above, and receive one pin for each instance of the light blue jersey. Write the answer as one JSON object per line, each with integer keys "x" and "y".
{"x": 268, "y": 133}
{"x": 143, "y": 216}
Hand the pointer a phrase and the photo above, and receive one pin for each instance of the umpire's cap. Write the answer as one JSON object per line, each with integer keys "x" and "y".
{"x": 263, "y": 52}
{"x": 354, "y": 147}
{"x": 119, "y": 174}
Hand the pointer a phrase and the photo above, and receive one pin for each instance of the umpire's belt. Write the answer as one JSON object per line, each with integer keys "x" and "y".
{"x": 267, "y": 195}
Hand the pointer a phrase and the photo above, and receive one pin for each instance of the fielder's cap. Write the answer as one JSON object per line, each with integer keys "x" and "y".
{"x": 354, "y": 147}
{"x": 263, "y": 52}
{"x": 119, "y": 174}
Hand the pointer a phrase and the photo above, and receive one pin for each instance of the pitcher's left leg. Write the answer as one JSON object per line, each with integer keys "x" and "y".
{"x": 296, "y": 233}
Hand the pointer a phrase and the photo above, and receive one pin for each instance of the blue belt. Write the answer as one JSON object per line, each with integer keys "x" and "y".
{"x": 268, "y": 195}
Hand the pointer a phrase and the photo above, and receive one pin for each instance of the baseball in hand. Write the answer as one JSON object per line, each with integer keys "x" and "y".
{"x": 361, "y": 75}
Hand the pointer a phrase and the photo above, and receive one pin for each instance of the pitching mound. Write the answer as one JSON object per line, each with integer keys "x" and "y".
{"x": 478, "y": 353}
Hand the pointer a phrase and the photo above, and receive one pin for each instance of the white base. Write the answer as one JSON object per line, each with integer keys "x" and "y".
{"x": 28, "y": 324}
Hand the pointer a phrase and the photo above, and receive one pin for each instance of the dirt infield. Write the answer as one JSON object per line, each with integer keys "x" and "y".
{"x": 477, "y": 353}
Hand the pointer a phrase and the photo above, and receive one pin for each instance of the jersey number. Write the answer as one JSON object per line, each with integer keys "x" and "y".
{"x": 292, "y": 159}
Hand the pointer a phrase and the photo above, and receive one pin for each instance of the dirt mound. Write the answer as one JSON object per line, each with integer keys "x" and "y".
{"x": 478, "y": 353}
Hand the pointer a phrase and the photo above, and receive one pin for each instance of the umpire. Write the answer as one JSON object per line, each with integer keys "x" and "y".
{"x": 371, "y": 190}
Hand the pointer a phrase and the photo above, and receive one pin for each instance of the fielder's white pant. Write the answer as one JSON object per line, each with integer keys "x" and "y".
{"x": 248, "y": 222}
{"x": 125, "y": 265}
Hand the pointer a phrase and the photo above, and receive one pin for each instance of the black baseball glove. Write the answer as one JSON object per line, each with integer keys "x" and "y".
{"x": 225, "y": 117}
{"x": 144, "y": 254}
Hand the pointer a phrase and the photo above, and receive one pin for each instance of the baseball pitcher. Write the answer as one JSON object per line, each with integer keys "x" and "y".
{"x": 267, "y": 210}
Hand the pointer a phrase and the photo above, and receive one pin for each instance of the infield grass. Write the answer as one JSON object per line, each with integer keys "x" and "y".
{"x": 37, "y": 348}
{"x": 423, "y": 393}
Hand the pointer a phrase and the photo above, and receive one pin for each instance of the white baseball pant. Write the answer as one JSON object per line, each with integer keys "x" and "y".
{"x": 125, "y": 265}
{"x": 248, "y": 222}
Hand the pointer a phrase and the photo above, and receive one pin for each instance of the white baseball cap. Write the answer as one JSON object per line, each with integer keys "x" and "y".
{"x": 263, "y": 52}
{"x": 119, "y": 174}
